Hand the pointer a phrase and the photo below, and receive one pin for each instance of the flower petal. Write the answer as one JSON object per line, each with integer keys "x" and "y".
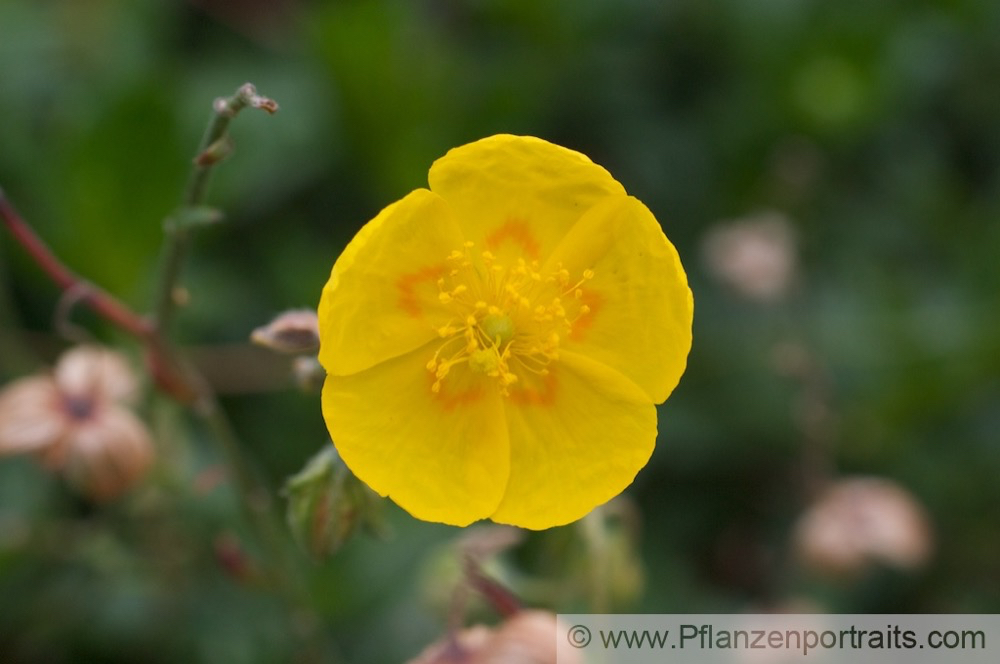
{"x": 641, "y": 305}
{"x": 30, "y": 415}
{"x": 575, "y": 445}
{"x": 518, "y": 192}
{"x": 381, "y": 299}
{"x": 108, "y": 454}
{"x": 442, "y": 457}
{"x": 96, "y": 373}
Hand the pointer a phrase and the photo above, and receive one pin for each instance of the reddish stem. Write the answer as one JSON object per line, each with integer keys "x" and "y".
{"x": 97, "y": 299}
{"x": 503, "y": 600}
{"x": 165, "y": 371}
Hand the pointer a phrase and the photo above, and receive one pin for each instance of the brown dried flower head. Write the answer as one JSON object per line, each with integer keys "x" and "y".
{"x": 860, "y": 521}
{"x": 77, "y": 420}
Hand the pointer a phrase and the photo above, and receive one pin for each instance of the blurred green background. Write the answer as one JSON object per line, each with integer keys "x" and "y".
{"x": 867, "y": 134}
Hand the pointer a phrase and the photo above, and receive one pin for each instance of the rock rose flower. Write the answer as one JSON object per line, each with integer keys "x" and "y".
{"x": 495, "y": 345}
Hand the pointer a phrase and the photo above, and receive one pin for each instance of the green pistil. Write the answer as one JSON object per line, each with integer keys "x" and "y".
{"x": 498, "y": 328}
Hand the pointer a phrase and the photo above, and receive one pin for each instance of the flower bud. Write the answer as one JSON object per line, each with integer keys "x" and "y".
{"x": 232, "y": 557}
{"x": 294, "y": 331}
{"x": 308, "y": 373}
{"x": 327, "y": 504}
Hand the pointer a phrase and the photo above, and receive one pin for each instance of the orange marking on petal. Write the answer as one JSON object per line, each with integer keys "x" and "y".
{"x": 536, "y": 396}
{"x": 517, "y": 232}
{"x": 593, "y": 300}
{"x": 408, "y": 283}
{"x": 449, "y": 400}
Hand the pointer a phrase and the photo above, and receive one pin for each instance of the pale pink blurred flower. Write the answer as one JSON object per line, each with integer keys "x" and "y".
{"x": 860, "y": 521}
{"x": 755, "y": 256}
{"x": 527, "y": 637}
{"x": 77, "y": 420}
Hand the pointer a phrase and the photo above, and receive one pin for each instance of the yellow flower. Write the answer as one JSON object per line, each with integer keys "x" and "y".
{"x": 495, "y": 345}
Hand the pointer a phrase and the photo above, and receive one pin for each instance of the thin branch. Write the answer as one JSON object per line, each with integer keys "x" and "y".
{"x": 167, "y": 366}
{"x": 502, "y": 598}
{"x": 97, "y": 299}
{"x": 170, "y": 375}
{"x": 215, "y": 146}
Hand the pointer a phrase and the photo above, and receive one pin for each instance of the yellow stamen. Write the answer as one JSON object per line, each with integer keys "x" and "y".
{"x": 506, "y": 319}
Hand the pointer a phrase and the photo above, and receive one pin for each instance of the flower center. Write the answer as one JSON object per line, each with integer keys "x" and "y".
{"x": 79, "y": 408}
{"x": 505, "y": 321}
{"x": 498, "y": 328}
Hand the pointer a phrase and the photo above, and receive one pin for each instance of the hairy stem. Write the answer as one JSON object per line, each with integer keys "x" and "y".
{"x": 215, "y": 146}
{"x": 255, "y": 497}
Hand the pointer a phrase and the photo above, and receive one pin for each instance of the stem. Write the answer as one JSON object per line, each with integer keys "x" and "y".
{"x": 170, "y": 371}
{"x": 254, "y": 496}
{"x": 499, "y": 596}
{"x": 98, "y": 300}
{"x": 215, "y": 146}
{"x": 170, "y": 375}
{"x": 593, "y": 528}
{"x": 256, "y": 501}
